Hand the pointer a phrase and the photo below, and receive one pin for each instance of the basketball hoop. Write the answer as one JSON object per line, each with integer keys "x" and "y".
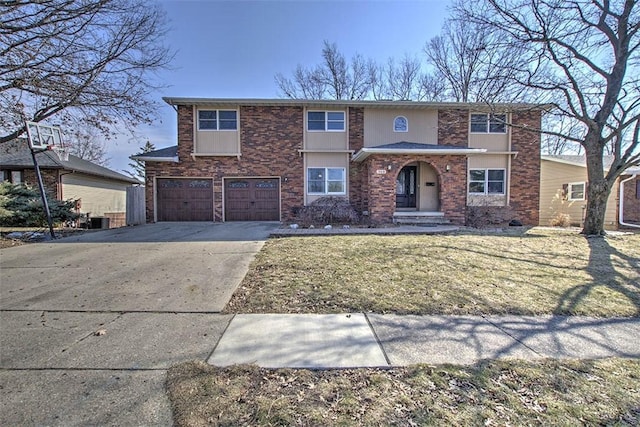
{"x": 60, "y": 151}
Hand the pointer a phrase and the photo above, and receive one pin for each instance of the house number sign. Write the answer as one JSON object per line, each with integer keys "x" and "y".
{"x": 381, "y": 171}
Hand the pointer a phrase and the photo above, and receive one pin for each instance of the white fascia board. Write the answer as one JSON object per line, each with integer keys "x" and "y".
{"x": 563, "y": 161}
{"x": 366, "y": 152}
{"x": 155, "y": 159}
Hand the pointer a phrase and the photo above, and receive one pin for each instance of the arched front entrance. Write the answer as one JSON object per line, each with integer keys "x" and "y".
{"x": 417, "y": 188}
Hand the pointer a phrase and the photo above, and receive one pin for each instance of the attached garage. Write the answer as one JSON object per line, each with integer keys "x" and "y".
{"x": 252, "y": 199}
{"x": 184, "y": 199}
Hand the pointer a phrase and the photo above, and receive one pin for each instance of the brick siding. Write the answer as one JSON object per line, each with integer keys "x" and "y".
{"x": 358, "y": 191}
{"x": 525, "y": 167}
{"x": 453, "y": 127}
{"x": 270, "y": 140}
{"x": 382, "y": 187}
{"x": 49, "y": 180}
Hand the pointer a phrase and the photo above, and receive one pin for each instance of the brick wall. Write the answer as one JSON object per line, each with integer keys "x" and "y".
{"x": 632, "y": 200}
{"x": 49, "y": 180}
{"x": 382, "y": 187}
{"x": 525, "y": 167}
{"x": 453, "y": 127}
{"x": 116, "y": 219}
{"x": 270, "y": 140}
{"x": 358, "y": 193}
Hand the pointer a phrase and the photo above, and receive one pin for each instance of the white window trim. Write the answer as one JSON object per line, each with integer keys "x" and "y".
{"x": 405, "y": 120}
{"x": 217, "y": 120}
{"x": 486, "y": 182}
{"x": 570, "y": 190}
{"x": 488, "y": 118}
{"x": 326, "y": 181}
{"x": 326, "y": 120}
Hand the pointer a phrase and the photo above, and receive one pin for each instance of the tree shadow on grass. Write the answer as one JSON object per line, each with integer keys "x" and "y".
{"x": 604, "y": 275}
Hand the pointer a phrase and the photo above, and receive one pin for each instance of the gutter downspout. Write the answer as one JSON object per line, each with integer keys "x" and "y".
{"x": 621, "y": 211}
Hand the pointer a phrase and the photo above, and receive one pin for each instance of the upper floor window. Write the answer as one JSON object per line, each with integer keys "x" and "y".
{"x": 217, "y": 120}
{"x": 400, "y": 124}
{"x": 486, "y": 181}
{"x": 332, "y": 121}
{"x": 488, "y": 123}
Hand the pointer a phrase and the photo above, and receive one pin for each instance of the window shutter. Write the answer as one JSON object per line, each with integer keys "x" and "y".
{"x": 565, "y": 191}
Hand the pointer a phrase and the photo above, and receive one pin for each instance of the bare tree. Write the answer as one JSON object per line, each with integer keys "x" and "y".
{"x": 556, "y": 143}
{"x": 471, "y": 63}
{"x": 333, "y": 78}
{"x": 86, "y": 142}
{"x": 304, "y": 84}
{"x": 91, "y": 60}
{"x": 583, "y": 56}
{"x": 400, "y": 80}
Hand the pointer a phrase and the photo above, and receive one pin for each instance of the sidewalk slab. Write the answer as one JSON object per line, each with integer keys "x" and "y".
{"x": 461, "y": 340}
{"x": 574, "y": 336}
{"x": 83, "y": 398}
{"x": 299, "y": 341}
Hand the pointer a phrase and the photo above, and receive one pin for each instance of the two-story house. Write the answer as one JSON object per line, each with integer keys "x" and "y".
{"x": 263, "y": 159}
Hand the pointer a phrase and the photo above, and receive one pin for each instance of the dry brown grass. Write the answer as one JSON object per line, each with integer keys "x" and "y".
{"x": 541, "y": 271}
{"x": 550, "y": 392}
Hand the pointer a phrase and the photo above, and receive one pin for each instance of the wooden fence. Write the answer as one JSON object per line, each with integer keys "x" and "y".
{"x": 135, "y": 205}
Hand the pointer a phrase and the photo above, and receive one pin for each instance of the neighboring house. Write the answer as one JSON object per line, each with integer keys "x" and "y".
{"x": 563, "y": 191}
{"x": 261, "y": 159}
{"x": 101, "y": 192}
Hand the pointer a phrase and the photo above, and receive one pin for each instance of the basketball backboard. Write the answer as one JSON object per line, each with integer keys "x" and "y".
{"x": 41, "y": 137}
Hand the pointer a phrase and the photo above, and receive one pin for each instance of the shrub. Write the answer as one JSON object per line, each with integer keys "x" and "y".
{"x": 327, "y": 210}
{"x": 485, "y": 216}
{"x": 21, "y": 206}
{"x": 560, "y": 220}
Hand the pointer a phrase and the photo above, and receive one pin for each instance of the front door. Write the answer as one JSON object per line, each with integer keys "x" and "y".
{"x": 406, "y": 187}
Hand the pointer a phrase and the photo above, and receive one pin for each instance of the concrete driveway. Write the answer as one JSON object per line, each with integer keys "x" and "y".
{"x": 89, "y": 324}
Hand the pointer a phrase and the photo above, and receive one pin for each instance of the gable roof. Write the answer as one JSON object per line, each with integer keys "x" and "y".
{"x": 581, "y": 161}
{"x": 16, "y": 154}
{"x": 168, "y": 154}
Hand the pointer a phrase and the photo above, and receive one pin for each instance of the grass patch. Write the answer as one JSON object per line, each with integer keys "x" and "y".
{"x": 540, "y": 271}
{"x": 546, "y": 392}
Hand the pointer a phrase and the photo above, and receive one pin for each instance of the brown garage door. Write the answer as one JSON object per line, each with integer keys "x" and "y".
{"x": 252, "y": 199}
{"x": 183, "y": 199}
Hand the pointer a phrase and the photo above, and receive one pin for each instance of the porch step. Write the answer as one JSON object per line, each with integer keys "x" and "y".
{"x": 420, "y": 218}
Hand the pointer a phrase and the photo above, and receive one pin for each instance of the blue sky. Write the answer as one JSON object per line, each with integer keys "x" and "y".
{"x": 233, "y": 49}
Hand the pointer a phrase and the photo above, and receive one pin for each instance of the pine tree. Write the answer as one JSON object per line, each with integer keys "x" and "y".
{"x": 138, "y": 165}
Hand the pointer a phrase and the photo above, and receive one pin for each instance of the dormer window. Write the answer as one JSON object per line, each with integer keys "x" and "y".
{"x": 400, "y": 124}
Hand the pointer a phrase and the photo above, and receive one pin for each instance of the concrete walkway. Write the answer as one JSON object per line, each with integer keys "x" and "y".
{"x": 324, "y": 341}
{"x": 337, "y": 231}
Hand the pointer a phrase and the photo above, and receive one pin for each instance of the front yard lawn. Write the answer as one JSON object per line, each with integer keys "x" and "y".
{"x": 503, "y": 392}
{"x": 540, "y": 271}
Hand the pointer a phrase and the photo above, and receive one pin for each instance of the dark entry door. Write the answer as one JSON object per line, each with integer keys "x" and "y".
{"x": 406, "y": 187}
